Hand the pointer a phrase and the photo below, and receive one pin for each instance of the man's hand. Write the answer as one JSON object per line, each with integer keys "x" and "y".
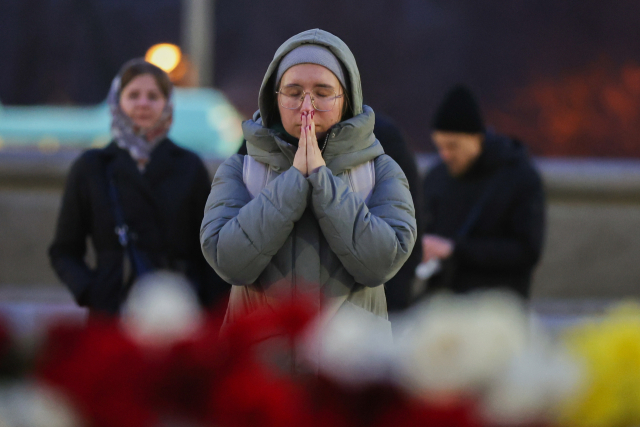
{"x": 436, "y": 247}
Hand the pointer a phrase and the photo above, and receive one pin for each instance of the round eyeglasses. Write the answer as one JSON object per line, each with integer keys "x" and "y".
{"x": 322, "y": 98}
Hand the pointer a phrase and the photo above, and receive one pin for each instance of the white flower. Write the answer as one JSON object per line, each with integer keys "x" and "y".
{"x": 161, "y": 308}
{"x": 353, "y": 345}
{"x": 459, "y": 343}
{"x": 35, "y": 405}
{"x": 532, "y": 385}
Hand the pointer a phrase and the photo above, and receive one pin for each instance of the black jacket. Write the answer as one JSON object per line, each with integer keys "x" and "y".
{"x": 505, "y": 242}
{"x": 163, "y": 208}
{"x": 398, "y": 289}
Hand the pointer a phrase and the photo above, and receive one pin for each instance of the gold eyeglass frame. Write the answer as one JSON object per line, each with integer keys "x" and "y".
{"x": 304, "y": 94}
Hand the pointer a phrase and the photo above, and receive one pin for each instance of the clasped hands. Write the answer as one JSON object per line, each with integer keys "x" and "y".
{"x": 308, "y": 158}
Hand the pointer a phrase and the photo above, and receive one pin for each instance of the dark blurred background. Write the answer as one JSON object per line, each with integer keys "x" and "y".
{"x": 564, "y": 76}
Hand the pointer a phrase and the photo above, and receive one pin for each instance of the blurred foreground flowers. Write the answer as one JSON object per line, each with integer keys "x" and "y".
{"x": 478, "y": 360}
{"x": 610, "y": 353}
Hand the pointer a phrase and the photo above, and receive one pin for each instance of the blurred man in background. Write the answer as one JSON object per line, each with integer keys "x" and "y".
{"x": 483, "y": 204}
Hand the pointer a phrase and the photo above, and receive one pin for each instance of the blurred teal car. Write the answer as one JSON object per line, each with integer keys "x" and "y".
{"x": 204, "y": 121}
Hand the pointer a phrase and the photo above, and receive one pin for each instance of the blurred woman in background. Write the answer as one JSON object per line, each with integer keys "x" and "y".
{"x": 139, "y": 201}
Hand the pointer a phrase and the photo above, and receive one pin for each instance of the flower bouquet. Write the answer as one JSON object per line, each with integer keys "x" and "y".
{"x": 476, "y": 360}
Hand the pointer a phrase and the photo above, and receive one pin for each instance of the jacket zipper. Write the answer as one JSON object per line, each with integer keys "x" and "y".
{"x": 326, "y": 138}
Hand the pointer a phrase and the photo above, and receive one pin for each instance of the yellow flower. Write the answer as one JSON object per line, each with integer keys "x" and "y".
{"x": 610, "y": 351}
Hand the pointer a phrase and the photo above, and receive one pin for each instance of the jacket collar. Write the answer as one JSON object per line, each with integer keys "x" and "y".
{"x": 348, "y": 143}
{"x": 125, "y": 169}
{"x": 161, "y": 156}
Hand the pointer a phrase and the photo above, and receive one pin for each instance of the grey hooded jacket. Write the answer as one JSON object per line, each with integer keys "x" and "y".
{"x": 310, "y": 237}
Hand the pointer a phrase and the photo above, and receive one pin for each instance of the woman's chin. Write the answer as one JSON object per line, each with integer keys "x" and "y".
{"x": 296, "y": 132}
{"x": 144, "y": 126}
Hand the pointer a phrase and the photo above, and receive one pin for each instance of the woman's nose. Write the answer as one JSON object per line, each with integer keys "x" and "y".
{"x": 307, "y": 105}
{"x": 143, "y": 101}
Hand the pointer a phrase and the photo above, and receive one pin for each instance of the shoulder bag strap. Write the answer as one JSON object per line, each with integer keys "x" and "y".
{"x": 362, "y": 179}
{"x": 140, "y": 267}
{"x": 255, "y": 175}
{"x": 122, "y": 230}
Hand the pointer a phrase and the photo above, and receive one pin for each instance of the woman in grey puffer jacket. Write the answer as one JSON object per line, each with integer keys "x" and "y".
{"x": 294, "y": 219}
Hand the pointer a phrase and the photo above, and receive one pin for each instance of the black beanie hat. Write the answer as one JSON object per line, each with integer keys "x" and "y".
{"x": 459, "y": 112}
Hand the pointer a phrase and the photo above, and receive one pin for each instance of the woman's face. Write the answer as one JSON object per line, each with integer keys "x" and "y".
{"x": 142, "y": 101}
{"x": 309, "y": 77}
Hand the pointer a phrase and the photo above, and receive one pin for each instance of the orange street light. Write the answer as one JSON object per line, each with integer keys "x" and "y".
{"x": 165, "y": 55}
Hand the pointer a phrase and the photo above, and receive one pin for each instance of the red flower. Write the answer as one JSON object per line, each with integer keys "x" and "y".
{"x": 102, "y": 371}
{"x": 233, "y": 380}
{"x": 382, "y": 405}
{"x": 185, "y": 375}
{"x": 225, "y": 381}
{"x": 251, "y": 394}
{"x": 287, "y": 320}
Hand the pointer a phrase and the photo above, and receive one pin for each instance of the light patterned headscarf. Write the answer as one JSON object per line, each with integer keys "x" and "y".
{"x": 139, "y": 142}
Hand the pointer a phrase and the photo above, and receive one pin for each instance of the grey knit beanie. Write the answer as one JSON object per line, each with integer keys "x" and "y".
{"x": 311, "y": 54}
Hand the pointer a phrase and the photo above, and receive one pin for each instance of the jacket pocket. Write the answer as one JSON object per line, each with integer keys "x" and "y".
{"x": 106, "y": 292}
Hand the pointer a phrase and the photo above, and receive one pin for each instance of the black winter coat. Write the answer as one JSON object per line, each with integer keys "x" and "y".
{"x": 398, "y": 288}
{"x": 163, "y": 208}
{"x": 505, "y": 242}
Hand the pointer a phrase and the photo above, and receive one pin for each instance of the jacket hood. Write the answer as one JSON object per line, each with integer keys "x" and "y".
{"x": 266, "y": 99}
